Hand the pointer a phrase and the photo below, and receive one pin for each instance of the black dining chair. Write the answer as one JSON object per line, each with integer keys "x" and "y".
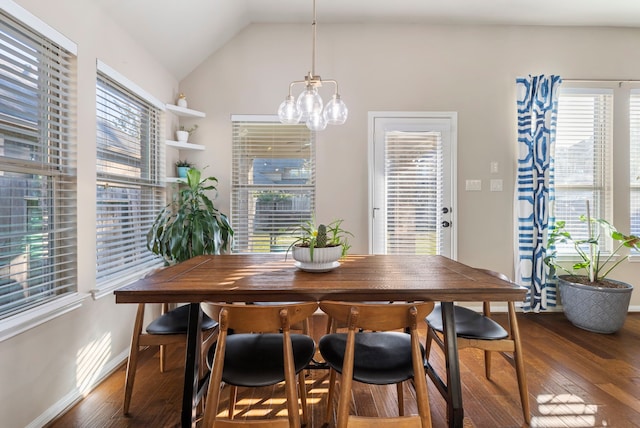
{"x": 169, "y": 328}
{"x": 261, "y": 351}
{"x": 480, "y": 331}
{"x": 376, "y": 350}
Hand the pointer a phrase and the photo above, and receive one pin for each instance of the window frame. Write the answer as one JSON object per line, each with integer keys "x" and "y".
{"x": 150, "y": 181}
{"x": 242, "y": 189}
{"x": 61, "y": 163}
{"x": 617, "y": 183}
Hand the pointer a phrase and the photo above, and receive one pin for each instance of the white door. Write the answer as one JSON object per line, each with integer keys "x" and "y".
{"x": 412, "y": 183}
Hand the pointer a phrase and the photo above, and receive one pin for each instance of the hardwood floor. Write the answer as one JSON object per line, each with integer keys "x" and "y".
{"x": 576, "y": 379}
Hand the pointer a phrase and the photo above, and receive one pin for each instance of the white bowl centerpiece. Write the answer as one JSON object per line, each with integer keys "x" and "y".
{"x": 319, "y": 249}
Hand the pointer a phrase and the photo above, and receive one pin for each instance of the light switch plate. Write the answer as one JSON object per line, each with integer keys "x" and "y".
{"x": 496, "y": 185}
{"x": 473, "y": 185}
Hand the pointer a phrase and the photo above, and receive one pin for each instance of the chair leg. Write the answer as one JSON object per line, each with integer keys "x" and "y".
{"x": 519, "y": 362}
{"x": 400, "y": 389}
{"x": 132, "y": 362}
{"x": 303, "y": 397}
{"x": 487, "y": 364}
{"x": 163, "y": 357}
{"x": 431, "y": 335}
{"x": 330, "y": 395}
{"x": 163, "y": 348}
{"x": 233, "y": 397}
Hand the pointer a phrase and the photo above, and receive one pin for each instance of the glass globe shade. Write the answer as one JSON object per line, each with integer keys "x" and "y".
{"x": 288, "y": 111}
{"x": 336, "y": 112}
{"x": 309, "y": 103}
{"x": 316, "y": 122}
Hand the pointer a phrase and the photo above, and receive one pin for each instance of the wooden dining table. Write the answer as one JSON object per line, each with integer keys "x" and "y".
{"x": 273, "y": 278}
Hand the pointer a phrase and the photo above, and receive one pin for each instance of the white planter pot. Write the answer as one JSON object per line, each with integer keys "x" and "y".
{"x": 597, "y": 309}
{"x": 182, "y": 136}
{"x": 324, "y": 259}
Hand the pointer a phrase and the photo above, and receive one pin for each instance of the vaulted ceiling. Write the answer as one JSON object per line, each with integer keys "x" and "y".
{"x": 182, "y": 34}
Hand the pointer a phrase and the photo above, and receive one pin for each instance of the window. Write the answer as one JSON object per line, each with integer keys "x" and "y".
{"x": 37, "y": 165}
{"x": 634, "y": 173}
{"x": 582, "y": 163}
{"x": 130, "y": 190}
{"x": 273, "y": 184}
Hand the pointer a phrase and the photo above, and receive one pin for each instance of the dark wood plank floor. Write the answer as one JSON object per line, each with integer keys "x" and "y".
{"x": 576, "y": 379}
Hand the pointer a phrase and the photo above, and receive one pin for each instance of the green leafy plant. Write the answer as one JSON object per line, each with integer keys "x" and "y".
{"x": 593, "y": 264}
{"x": 322, "y": 236}
{"x": 190, "y": 225}
{"x": 183, "y": 163}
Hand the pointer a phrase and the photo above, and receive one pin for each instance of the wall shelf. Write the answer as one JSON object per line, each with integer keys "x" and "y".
{"x": 175, "y": 180}
{"x": 184, "y": 112}
{"x": 184, "y": 146}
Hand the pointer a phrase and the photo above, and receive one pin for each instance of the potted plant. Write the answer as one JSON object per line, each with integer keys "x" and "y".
{"x": 590, "y": 299}
{"x": 183, "y": 134}
{"x": 190, "y": 225}
{"x": 318, "y": 249}
{"x": 182, "y": 166}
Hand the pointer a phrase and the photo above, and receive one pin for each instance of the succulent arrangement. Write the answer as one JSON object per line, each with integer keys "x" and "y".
{"x": 190, "y": 130}
{"x": 323, "y": 236}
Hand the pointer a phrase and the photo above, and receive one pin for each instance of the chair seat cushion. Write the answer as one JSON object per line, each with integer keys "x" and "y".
{"x": 255, "y": 360}
{"x": 381, "y": 358}
{"x": 176, "y": 321}
{"x": 469, "y": 324}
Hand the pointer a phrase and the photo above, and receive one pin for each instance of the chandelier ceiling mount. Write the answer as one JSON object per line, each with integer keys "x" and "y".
{"x": 309, "y": 106}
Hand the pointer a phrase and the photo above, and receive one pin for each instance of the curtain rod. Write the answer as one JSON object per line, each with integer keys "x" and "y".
{"x": 602, "y": 80}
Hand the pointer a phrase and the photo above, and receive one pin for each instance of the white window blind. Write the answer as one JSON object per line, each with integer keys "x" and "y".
{"x": 583, "y": 157}
{"x": 413, "y": 171}
{"x": 37, "y": 169}
{"x": 130, "y": 192}
{"x": 634, "y": 157}
{"x": 273, "y": 184}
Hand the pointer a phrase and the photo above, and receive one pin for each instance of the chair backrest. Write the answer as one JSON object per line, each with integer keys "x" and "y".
{"x": 260, "y": 318}
{"x": 255, "y": 319}
{"x": 381, "y": 317}
{"x": 378, "y": 317}
{"x": 499, "y": 275}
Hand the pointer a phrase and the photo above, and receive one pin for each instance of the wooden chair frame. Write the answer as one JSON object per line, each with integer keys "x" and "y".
{"x": 251, "y": 319}
{"x": 140, "y": 339}
{"x": 510, "y": 347}
{"x": 380, "y": 317}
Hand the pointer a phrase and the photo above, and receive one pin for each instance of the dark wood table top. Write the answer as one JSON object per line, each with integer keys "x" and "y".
{"x": 269, "y": 277}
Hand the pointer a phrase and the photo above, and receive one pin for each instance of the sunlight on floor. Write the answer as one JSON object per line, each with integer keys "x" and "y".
{"x": 564, "y": 410}
{"x": 90, "y": 360}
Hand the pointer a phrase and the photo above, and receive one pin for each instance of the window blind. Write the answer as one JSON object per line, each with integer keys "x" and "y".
{"x": 413, "y": 171}
{"x": 273, "y": 183}
{"x": 38, "y": 193}
{"x": 634, "y": 158}
{"x": 130, "y": 192}
{"x": 582, "y": 162}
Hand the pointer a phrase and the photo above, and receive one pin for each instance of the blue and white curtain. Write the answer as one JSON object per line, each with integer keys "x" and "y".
{"x": 537, "y": 118}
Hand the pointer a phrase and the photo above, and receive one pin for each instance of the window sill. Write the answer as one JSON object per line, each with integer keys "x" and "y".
{"x": 22, "y": 322}
{"x": 108, "y": 287}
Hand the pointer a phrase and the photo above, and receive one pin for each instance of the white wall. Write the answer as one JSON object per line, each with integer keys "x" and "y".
{"x": 51, "y": 365}
{"x": 467, "y": 69}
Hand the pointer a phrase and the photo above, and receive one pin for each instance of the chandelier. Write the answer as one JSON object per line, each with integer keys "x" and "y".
{"x": 309, "y": 107}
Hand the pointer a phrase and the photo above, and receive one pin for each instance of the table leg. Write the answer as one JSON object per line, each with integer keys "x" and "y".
{"x": 191, "y": 369}
{"x": 455, "y": 412}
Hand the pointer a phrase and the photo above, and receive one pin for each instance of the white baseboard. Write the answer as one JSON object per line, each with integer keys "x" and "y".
{"x": 502, "y": 308}
{"x": 74, "y": 396}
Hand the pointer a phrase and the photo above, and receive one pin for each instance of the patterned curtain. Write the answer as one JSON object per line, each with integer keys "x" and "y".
{"x": 537, "y": 117}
